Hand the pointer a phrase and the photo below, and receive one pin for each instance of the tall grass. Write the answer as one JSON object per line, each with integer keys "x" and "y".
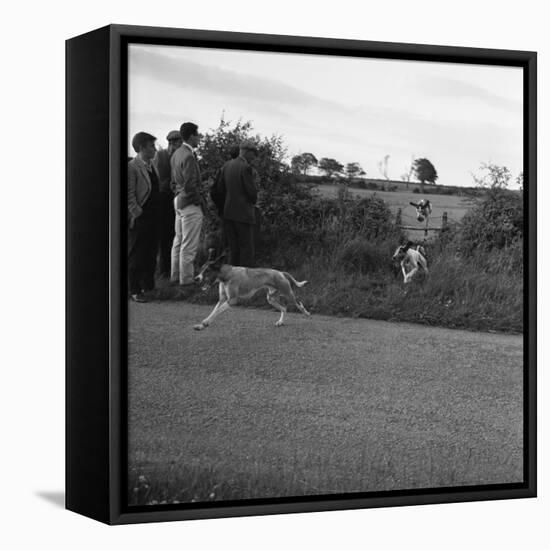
{"x": 344, "y": 248}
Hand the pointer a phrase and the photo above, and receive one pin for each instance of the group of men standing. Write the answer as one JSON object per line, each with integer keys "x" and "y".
{"x": 167, "y": 205}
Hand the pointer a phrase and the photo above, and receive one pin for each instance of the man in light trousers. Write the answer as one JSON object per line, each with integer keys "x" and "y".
{"x": 189, "y": 205}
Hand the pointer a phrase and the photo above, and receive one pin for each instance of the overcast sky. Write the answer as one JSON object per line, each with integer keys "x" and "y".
{"x": 350, "y": 109}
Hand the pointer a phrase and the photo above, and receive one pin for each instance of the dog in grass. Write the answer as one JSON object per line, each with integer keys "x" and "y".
{"x": 411, "y": 257}
{"x": 240, "y": 283}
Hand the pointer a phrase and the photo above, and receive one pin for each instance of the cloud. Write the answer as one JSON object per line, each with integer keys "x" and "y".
{"x": 451, "y": 88}
{"x": 188, "y": 74}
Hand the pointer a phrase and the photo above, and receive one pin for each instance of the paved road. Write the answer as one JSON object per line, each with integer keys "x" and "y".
{"x": 421, "y": 406}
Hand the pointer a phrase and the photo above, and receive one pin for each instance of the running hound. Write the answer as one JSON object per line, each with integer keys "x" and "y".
{"x": 243, "y": 282}
{"x": 423, "y": 210}
{"x": 411, "y": 257}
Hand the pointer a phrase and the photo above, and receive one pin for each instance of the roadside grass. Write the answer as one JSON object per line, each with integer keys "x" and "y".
{"x": 359, "y": 280}
{"x": 457, "y": 293}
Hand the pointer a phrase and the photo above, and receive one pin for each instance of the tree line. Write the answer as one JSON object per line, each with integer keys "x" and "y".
{"x": 421, "y": 168}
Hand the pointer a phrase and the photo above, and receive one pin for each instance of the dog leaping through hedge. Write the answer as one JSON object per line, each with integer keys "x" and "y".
{"x": 423, "y": 211}
{"x": 243, "y": 282}
{"x": 413, "y": 258}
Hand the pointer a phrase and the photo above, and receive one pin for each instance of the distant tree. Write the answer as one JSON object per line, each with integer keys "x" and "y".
{"x": 425, "y": 172}
{"x": 300, "y": 164}
{"x": 330, "y": 167}
{"x": 354, "y": 170}
{"x": 383, "y": 167}
{"x": 406, "y": 176}
{"x": 493, "y": 176}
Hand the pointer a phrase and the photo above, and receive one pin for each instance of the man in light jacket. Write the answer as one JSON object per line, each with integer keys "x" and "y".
{"x": 189, "y": 206}
{"x": 143, "y": 201}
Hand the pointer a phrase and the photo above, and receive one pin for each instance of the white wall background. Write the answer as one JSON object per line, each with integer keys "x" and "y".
{"x": 32, "y": 274}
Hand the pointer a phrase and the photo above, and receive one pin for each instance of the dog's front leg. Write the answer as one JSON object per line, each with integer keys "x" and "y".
{"x": 222, "y": 298}
{"x": 404, "y": 271}
{"x": 220, "y": 308}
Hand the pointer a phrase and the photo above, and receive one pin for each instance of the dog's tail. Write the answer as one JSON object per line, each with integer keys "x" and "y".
{"x": 293, "y": 280}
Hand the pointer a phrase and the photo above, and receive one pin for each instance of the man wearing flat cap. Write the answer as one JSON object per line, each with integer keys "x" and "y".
{"x": 166, "y": 201}
{"x": 237, "y": 181}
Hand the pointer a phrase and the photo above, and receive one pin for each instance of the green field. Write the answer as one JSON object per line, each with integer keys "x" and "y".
{"x": 455, "y": 206}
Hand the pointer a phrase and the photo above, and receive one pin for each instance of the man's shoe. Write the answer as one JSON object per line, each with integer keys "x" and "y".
{"x": 140, "y": 298}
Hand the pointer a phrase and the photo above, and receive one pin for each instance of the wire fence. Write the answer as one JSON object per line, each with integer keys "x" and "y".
{"x": 426, "y": 226}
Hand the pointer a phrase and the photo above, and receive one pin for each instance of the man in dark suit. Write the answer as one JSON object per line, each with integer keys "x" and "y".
{"x": 237, "y": 182}
{"x": 189, "y": 205}
{"x": 143, "y": 200}
{"x": 217, "y": 191}
{"x": 167, "y": 214}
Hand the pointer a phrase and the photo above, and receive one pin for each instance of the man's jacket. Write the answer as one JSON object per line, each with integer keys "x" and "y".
{"x": 237, "y": 181}
{"x": 186, "y": 176}
{"x": 139, "y": 188}
{"x": 164, "y": 169}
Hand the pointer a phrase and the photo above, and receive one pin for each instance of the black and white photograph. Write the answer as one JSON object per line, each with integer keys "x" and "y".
{"x": 286, "y": 285}
{"x": 325, "y": 275}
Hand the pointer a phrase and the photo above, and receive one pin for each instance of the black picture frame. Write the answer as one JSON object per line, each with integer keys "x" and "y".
{"x": 96, "y": 323}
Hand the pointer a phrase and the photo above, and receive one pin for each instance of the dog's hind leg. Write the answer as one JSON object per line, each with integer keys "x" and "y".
{"x": 285, "y": 289}
{"x": 298, "y": 304}
{"x": 410, "y": 274}
{"x": 272, "y": 300}
{"x": 424, "y": 265}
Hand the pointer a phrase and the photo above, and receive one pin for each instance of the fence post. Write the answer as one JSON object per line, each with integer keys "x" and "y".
{"x": 398, "y": 217}
{"x": 444, "y": 221}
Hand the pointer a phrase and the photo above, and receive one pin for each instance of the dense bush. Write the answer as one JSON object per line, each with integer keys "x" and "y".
{"x": 496, "y": 222}
{"x": 215, "y": 149}
{"x": 362, "y": 255}
{"x": 298, "y": 221}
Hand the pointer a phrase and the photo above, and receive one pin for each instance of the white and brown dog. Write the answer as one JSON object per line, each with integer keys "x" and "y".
{"x": 243, "y": 282}
{"x": 423, "y": 210}
{"x": 412, "y": 258}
